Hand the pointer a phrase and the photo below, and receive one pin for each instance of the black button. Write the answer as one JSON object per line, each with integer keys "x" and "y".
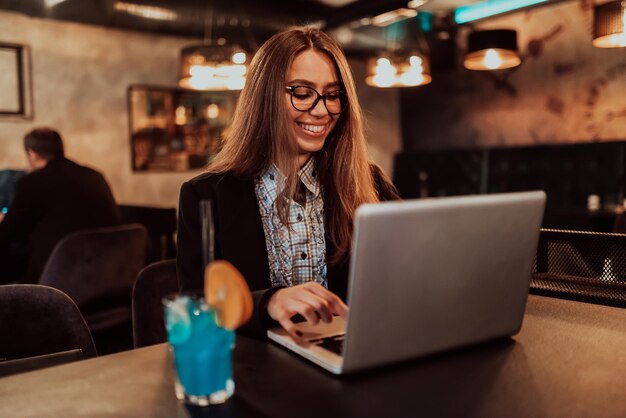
{"x": 313, "y": 173}
{"x": 271, "y": 177}
{"x": 303, "y": 256}
{"x": 299, "y": 218}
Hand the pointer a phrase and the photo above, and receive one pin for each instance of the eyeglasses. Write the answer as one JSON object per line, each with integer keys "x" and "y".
{"x": 304, "y": 99}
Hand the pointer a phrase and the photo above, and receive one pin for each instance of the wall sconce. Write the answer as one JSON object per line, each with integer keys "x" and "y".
{"x": 205, "y": 67}
{"x": 609, "y": 25}
{"x": 492, "y": 50}
{"x": 407, "y": 70}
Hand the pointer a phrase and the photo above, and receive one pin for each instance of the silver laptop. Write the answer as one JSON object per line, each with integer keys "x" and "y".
{"x": 427, "y": 276}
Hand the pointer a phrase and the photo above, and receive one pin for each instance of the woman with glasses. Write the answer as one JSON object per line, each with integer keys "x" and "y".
{"x": 286, "y": 184}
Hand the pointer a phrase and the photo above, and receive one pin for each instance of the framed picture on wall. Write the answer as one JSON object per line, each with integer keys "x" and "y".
{"x": 15, "y": 86}
{"x": 173, "y": 129}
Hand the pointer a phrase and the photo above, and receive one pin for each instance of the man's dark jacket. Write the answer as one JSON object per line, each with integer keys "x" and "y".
{"x": 240, "y": 239}
{"x": 52, "y": 202}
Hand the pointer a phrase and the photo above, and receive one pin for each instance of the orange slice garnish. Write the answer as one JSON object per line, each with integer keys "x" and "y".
{"x": 227, "y": 292}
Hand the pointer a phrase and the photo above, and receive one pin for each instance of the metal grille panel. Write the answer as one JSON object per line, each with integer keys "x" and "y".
{"x": 584, "y": 266}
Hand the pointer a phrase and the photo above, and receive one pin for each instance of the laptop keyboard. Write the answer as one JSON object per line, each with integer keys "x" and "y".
{"x": 334, "y": 343}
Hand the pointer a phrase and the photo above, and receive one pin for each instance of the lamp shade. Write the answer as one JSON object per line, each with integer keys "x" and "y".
{"x": 609, "y": 25}
{"x": 405, "y": 70}
{"x": 205, "y": 67}
{"x": 494, "y": 49}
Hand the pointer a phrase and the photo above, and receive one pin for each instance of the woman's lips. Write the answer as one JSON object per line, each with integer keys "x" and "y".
{"x": 313, "y": 130}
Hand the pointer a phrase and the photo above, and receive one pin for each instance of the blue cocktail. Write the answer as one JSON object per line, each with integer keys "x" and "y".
{"x": 201, "y": 350}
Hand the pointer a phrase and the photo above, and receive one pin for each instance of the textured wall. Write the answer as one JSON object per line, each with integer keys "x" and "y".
{"x": 80, "y": 74}
{"x": 565, "y": 90}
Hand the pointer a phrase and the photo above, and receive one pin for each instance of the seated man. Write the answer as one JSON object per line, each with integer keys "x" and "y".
{"x": 56, "y": 198}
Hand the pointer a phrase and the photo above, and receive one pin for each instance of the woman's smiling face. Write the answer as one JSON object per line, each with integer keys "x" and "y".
{"x": 314, "y": 69}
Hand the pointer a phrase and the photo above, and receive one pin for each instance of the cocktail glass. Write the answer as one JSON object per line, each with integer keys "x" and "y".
{"x": 202, "y": 351}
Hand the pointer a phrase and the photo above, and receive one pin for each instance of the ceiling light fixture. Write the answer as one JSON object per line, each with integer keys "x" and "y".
{"x": 494, "y": 49}
{"x": 414, "y": 4}
{"x": 51, "y": 3}
{"x": 406, "y": 70}
{"x": 386, "y": 19}
{"x": 149, "y": 12}
{"x": 205, "y": 67}
{"x": 609, "y": 25}
{"x": 489, "y": 8}
{"x": 213, "y": 67}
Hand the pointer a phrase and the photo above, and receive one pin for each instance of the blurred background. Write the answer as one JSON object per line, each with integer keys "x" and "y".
{"x": 461, "y": 96}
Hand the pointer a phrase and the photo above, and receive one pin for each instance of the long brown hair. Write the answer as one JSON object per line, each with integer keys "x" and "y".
{"x": 260, "y": 134}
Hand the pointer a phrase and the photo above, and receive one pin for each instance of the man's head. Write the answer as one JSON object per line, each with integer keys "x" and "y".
{"x": 42, "y": 145}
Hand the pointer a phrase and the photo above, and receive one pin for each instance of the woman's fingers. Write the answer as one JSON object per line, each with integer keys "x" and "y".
{"x": 319, "y": 305}
{"x": 291, "y": 328}
{"x": 285, "y": 309}
{"x": 311, "y": 300}
{"x": 336, "y": 304}
{"x": 306, "y": 310}
{"x": 285, "y": 304}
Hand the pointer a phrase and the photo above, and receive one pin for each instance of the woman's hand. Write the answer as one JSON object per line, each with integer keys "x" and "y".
{"x": 311, "y": 300}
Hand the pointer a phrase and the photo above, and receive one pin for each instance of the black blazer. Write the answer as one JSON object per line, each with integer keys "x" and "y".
{"x": 240, "y": 239}
{"x": 52, "y": 202}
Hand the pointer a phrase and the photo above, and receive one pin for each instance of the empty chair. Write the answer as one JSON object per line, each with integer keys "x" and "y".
{"x": 40, "y": 321}
{"x": 153, "y": 283}
{"x": 97, "y": 269}
{"x": 584, "y": 266}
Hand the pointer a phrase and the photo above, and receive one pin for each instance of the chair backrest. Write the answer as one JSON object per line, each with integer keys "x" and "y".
{"x": 97, "y": 264}
{"x": 585, "y": 266}
{"x": 161, "y": 224}
{"x": 37, "y": 320}
{"x": 153, "y": 283}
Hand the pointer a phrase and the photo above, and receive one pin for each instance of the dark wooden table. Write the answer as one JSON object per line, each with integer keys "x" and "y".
{"x": 569, "y": 360}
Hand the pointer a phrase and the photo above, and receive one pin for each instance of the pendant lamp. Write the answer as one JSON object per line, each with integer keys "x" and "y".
{"x": 398, "y": 70}
{"x": 207, "y": 67}
{"x": 609, "y": 25}
{"x": 494, "y": 49}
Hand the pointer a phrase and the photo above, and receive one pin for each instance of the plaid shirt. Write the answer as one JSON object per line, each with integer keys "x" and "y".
{"x": 296, "y": 252}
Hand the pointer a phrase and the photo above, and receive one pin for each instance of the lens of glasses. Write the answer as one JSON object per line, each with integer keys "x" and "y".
{"x": 303, "y": 98}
